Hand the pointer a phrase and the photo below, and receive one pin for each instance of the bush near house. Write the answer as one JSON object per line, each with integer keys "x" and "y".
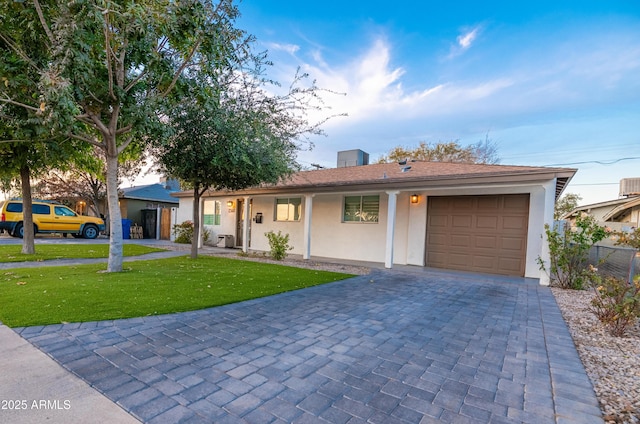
{"x": 569, "y": 252}
{"x": 279, "y": 245}
{"x": 184, "y": 233}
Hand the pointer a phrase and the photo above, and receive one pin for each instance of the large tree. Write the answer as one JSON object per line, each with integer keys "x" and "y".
{"x": 567, "y": 203}
{"x": 484, "y": 152}
{"x": 117, "y": 67}
{"x": 28, "y": 143}
{"x": 240, "y": 137}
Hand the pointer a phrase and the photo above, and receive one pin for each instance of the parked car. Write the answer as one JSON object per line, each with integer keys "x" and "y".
{"x": 49, "y": 217}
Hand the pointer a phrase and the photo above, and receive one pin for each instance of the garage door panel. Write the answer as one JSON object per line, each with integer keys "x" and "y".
{"x": 509, "y": 264}
{"x": 461, "y": 222}
{"x": 486, "y": 242}
{"x": 516, "y": 244}
{"x": 514, "y": 222}
{"x": 460, "y": 203}
{"x": 438, "y": 239}
{"x": 516, "y": 202}
{"x": 459, "y": 240}
{"x": 478, "y": 233}
{"x": 487, "y": 222}
{"x": 488, "y": 202}
{"x": 438, "y": 221}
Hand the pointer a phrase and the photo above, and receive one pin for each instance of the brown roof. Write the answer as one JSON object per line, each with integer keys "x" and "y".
{"x": 411, "y": 174}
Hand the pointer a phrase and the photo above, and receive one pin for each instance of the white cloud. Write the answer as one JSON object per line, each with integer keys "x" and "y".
{"x": 292, "y": 49}
{"x": 465, "y": 40}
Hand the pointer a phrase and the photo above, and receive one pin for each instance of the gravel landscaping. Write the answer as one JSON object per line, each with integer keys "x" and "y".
{"x": 612, "y": 363}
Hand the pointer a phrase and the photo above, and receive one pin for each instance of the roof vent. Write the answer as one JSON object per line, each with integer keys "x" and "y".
{"x": 630, "y": 187}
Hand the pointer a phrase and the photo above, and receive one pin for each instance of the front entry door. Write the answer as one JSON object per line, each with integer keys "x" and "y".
{"x": 240, "y": 223}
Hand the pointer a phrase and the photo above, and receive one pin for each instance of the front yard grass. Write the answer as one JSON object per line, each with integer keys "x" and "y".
{"x": 53, "y": 295}
{"x": 45, "y": 252}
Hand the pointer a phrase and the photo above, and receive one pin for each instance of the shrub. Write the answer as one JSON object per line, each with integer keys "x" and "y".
{"x": 184, "y": 233}
{"x": 569, "y": 252}
{"x": 616, "y": 303}
{"x": 279, "y": 245}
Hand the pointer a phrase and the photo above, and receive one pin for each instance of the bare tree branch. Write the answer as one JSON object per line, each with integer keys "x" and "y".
{"x": 182, "y": 68}
{"x": 43, "y": 21}
{"x": 31, "y": 108}
{"x": 20, "y": 53}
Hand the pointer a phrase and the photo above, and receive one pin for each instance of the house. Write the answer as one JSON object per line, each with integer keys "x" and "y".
{"x": 618, "y": 214}
{"x": 150, "y": 207}
{"x": 472, "y": 217}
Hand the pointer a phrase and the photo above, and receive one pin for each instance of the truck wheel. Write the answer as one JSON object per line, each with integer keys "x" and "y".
{"x": 18, "y": 231}
{"x": 90, "y": 232}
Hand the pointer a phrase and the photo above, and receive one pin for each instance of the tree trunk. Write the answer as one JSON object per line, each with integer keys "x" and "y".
{"x": 115, "y": 221}
{"x": 28, "y": 244}
{"x": 196, "y": 222}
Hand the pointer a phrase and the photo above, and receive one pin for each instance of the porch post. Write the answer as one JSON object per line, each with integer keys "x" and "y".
{"x": 308, "y": 206}
{"x": 246, "y": 224}
{"x": 549, "y": 203}
{"x": 391, "y": 228}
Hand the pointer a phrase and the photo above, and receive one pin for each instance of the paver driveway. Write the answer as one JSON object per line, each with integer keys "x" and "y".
{"x": 389, "y": 347}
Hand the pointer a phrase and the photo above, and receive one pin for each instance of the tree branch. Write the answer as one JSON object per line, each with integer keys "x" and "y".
{"x": 124, "y": 145}
{"x": 20, "y": 53}
{"x": 43, "y": 22}
{"x": 31, "y": 108}
{"x": 182, "y": 68}
{"x": 109, "y": 52}
{"x": 87, "y": 139}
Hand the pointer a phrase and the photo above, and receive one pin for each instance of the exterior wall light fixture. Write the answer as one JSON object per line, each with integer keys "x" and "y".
{"x": 230, "y": 204}
{"x": 415, "y": 198}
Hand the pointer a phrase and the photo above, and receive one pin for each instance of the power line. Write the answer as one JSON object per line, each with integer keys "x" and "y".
{"x": 599, "y": 162}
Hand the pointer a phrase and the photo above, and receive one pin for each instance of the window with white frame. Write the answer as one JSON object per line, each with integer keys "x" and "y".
{"x": 288, "y": 209}
{"x": 361, "y": 208}
{"x": 211, "y": 215}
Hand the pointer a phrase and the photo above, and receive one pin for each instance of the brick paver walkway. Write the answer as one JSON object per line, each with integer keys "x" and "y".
{"x": 385, "y": 348}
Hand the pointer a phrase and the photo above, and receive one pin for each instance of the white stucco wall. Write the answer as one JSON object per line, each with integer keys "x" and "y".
{"x": 333, "y": 238}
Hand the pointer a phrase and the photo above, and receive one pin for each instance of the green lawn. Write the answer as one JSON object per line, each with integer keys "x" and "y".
{"x": 51, "y": 295}
{"x": 44, "y": 252}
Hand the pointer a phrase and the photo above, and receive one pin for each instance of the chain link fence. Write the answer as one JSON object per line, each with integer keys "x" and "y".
{"x": 619, "y": 262}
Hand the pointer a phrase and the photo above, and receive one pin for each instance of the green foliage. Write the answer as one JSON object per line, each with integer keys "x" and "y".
{"x": 616, "y": 303}
{"x": 484, "y": 152}
{"x": 51, "y": 295}
{"x": 631, "y": 239}
{"x": 279, "y": 245}
{"x": 566, "y": 204}
{"x": 184, "y": 233}
{"x": 569, "y": 251}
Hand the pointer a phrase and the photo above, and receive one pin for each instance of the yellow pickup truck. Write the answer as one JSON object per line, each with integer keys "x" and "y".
{"x": 49, "y": 217}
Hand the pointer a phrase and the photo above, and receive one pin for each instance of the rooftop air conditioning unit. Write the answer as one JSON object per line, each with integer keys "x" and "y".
{"x": 630, "y": 187}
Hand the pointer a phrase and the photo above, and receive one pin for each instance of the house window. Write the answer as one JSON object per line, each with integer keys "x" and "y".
{"x": 288, "y": 209}
{"x": 211, "y": 214}
{"x": 361, "y": 208}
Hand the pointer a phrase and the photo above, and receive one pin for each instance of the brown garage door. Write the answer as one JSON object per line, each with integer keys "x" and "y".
{"x": 478, "y": 233}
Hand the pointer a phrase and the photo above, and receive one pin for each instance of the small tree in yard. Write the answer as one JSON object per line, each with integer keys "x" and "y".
{"x": 566, "y": 204}
{"x": 569, "y": 251}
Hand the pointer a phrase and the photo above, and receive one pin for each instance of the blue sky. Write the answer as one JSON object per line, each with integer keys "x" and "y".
{"x": 551, "y": 82}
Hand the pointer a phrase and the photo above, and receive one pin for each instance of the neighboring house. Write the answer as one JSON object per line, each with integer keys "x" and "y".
{"x": 482, "y": 218}
{"x": 150, "y": 207}
{"x": 621, "y": 213}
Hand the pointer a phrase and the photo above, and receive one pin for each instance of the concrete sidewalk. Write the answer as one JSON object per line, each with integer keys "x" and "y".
{"x": 36, "y": 389}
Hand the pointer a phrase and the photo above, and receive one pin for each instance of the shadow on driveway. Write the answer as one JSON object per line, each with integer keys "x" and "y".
{"x": 384, "y": 348}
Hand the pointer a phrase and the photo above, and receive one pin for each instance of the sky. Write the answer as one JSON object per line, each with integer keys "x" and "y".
{"x": 551, "y": 83}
